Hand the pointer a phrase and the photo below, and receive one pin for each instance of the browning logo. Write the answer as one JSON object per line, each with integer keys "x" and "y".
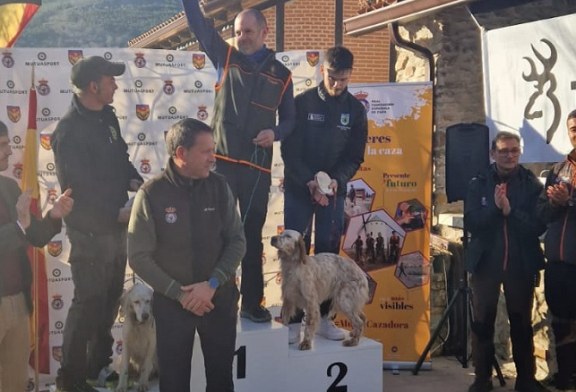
{"x": 14, "y": 113}
{"x": 199, "y": 60}
{"x": 143, "y": 111}
{"x": 312, "y": 57}
{"x": 75, "y": 55}
{"x": 55, "y": 248}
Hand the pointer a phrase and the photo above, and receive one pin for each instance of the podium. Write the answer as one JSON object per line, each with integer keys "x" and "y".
{"x": 264, "y": 361}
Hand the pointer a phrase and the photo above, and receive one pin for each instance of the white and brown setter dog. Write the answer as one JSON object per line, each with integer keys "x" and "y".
{"x": 307, "y": 281}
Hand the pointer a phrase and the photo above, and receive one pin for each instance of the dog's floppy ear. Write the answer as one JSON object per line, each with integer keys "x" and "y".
{"x": 302, "y": 250}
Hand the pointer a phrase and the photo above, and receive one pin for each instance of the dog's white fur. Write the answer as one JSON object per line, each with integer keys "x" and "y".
{"x": 138, "y": 336}
{"x": 307, "y": 281}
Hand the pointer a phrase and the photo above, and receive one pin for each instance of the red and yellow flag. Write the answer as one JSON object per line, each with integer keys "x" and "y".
{"x": 14, "y": 16}
{"x": 40, "y": 353}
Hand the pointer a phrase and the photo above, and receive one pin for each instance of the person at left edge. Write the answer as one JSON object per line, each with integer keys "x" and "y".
{"x": 186, "y": 240}
{"x": 18, "y": 230}
{"x": 91, "y": 158}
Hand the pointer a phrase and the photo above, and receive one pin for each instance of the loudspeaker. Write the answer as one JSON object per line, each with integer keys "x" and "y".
{"x": 467, "y": 154}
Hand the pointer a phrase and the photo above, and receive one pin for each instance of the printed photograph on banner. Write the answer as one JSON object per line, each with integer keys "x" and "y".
{"x": 373, "y": 240}
{"x": 359, "y": 198}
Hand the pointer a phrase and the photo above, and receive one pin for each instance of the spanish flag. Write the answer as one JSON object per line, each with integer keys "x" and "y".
{"x": 40, "y": 356}
{"x": 14, "y": 16}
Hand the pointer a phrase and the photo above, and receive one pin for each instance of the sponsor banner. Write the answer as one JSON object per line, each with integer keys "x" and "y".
{"x": 538, "y": 89}
{"x": 387, "y": 214}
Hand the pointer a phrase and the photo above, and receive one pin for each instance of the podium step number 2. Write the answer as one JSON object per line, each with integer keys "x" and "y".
{"x": 265, "y": 362}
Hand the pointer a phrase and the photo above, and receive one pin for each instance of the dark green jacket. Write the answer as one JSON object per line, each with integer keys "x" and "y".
{"x": 184, "y": 231}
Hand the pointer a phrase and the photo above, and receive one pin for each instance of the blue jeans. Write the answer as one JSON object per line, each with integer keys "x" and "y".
{"x": 299, "y": 209}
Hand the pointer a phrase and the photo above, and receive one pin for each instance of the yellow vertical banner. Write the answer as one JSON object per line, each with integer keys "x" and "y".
{"x": 387, "y": 214}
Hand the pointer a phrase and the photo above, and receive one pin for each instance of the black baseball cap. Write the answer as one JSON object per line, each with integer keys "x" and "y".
{"x": 92, "y": 68}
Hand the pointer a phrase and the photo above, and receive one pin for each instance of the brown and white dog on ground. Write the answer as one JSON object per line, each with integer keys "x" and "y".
{"x": 307, "y": 281}
{"x": 138, "y": 336}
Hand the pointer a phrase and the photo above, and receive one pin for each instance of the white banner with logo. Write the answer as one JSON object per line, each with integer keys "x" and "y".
{"x": 530, "y": 84}
{"x": 158, "y": 88}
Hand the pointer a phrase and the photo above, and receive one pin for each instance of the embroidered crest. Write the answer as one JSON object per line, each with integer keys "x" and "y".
{"x": 113, "y": 133}
{"x": 345, "y": 118}
{"x": 170, "y": 215}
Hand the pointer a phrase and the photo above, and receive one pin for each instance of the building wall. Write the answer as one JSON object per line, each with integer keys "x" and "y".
{"x": 454, "y": 37}
{"x": 312, "y": 27}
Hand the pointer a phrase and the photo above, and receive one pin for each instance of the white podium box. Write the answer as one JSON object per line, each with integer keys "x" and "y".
{"x": 261, "y": 356}
{"x": 331, "y": 367}
{"x": 265, "y": 362}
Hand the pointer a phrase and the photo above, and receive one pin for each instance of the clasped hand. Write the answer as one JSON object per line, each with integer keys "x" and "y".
{"x": 197, "y": 298}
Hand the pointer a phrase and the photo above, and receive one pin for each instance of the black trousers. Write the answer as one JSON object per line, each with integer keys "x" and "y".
{"x": 98, "y": 266}
{"x": 519, "y": 293}
{"x": 251, "y": 188}
{"x": 560, "y": 291}
{"x": 175, "y": 329}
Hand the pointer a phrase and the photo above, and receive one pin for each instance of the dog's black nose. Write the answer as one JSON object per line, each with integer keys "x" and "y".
{"x": 274, "y": 240}
{"x": 145, "y": 316}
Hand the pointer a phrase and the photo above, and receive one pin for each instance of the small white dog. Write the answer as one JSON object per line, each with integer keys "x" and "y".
{"x": 307, "y": 281}
{"x": 138, "y": 336}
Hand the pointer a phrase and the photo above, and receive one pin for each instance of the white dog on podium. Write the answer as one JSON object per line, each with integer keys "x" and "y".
{"x": 307, "y": 281}
{"x": 138, "y": 336}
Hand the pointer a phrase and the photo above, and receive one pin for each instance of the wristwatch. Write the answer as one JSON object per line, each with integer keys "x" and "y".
{"x": 213, "y": 283}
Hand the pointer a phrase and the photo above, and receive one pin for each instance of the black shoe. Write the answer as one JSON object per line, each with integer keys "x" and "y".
{"x": 530, "y": 386}
{"x": 258, "y": 314}
{"x": 481, "y": 386}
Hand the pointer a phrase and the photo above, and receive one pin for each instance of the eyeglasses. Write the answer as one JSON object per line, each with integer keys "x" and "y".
{"x": 512, "y": 151}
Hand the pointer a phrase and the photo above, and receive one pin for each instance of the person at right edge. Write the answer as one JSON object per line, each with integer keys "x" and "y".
{"x": 252, "y": 86}
{"x": 330, "y": 136}
{"x": 499, "y": 213}
{"x": 556, "y": 207}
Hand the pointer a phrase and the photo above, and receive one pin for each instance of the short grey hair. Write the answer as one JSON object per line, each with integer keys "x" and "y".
{"x": 183, "y": 133}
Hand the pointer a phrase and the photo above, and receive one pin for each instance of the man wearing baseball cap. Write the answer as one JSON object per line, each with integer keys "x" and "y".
{"x": 92, "y": 159}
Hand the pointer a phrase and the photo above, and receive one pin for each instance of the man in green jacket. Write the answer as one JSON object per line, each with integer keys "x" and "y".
{"x": 186, "y": 240}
